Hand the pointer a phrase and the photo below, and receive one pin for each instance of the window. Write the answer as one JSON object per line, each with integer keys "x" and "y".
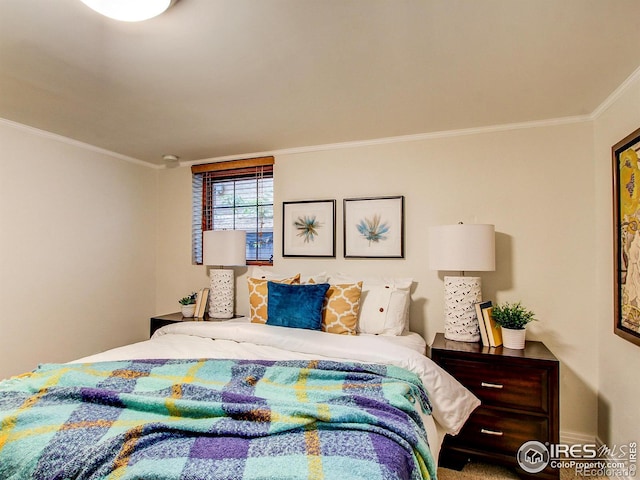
{"x": 235, "y": 195}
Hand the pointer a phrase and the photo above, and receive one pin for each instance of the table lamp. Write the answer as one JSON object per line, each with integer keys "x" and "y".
{"x": 223, "y": 248}
{"x": 465, "y": 248}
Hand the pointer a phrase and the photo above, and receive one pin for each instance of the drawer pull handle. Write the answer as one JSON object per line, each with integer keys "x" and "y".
{"x": 491, "y": 432}
{"x": 491, "y": 385}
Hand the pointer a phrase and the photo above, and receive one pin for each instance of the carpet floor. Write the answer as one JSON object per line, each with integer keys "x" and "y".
{"x": 483, "y": 471}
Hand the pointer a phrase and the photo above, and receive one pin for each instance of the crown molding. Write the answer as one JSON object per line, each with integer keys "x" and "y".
{"x": 617, "y": 93}
{"x": 400, "y": 139}
{"x": 75, "y": 143}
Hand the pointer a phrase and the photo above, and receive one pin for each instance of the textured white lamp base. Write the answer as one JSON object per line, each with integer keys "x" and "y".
{"x": 221, "y": 297}
{"x": 460, "y": 294}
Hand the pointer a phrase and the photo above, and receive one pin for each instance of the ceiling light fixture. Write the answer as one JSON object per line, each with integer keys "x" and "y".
{"x": 129, "y": 10}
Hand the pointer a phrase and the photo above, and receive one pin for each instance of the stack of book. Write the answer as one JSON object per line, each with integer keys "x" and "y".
{"x": 201, "y": 304}
{"x": 490, "y": 332}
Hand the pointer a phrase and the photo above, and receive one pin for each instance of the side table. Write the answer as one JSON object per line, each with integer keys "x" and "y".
{"x": 160, "y": 321}
{"x": 519, "y": 391}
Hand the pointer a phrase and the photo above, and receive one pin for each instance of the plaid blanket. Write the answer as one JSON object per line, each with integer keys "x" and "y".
{"x": 214, "y": 419}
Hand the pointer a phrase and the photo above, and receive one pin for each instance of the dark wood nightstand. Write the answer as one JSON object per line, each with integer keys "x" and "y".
{"x": 160, "y": 321}
{"x": 519, "y": 391}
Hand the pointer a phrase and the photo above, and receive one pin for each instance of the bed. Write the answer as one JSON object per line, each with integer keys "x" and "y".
{"x": 239, "y": 399}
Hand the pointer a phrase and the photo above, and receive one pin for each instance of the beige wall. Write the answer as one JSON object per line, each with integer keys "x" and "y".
{"x": 534, "y": 184}
{"x": 77, "y": 250}
{"x": 618, "y": 359}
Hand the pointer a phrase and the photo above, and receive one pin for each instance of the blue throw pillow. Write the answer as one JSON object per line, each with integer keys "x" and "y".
{"x": 296, "y": 306}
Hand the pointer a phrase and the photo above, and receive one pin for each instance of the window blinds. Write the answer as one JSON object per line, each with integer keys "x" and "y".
{"x": 235, "y": 195}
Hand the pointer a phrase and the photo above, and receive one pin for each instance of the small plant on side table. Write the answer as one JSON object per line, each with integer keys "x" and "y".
{"x": 188, "y": 300}
{"x": 188, "y": 305}
{"x": 513, "y": 319}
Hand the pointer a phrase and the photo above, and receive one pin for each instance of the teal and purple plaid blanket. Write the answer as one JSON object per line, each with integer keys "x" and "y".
{"x": 214, "y": 419}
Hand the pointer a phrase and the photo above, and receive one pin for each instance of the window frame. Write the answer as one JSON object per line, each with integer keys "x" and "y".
{"x": 225, "y": 170}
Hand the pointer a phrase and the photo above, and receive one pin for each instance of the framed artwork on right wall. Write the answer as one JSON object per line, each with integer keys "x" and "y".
{"x": 374, "y": 227}
{"x": 626, "y": 227}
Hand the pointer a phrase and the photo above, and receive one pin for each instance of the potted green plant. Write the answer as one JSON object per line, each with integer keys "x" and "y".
{"x": 513, "y": 319}
{"x": 188, "y": 305}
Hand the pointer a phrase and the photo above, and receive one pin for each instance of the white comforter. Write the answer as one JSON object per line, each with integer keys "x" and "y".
{"x": 451, "y": 402}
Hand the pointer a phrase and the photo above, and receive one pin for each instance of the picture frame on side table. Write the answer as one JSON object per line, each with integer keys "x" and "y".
{"x": 626, "y": 214}
{"x": 374, "y": 227}
{"x": 309, "y": 228}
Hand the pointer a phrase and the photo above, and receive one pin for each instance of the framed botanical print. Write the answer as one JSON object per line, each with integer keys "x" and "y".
{"x": 374, "y": 227}
{"x": 309, "y": 228}
{"x": 626, "y": 214}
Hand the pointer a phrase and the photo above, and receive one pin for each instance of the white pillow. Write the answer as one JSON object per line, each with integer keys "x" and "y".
{"x": 264, "y": 274}
{"x": 384, "y": 303}
{"x": 269, "y": 274}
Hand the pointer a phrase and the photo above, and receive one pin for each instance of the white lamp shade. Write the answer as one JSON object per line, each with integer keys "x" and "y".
{"x": 462, "y": 247}
{"x": 224, "y": 248}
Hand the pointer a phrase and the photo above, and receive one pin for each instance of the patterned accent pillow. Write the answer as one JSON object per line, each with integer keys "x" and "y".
{"x": 340, "y": 310}
{"x": 259, "y": 296}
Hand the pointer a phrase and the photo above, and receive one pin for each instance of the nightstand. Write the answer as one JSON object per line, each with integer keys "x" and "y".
{"x": 519, "y": 391}
{"x": 160, "y": 321}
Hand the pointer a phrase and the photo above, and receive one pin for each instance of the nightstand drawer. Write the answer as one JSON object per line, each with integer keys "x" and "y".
{"x": 517, "y": 387}
{"x": 501, "y": 432}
